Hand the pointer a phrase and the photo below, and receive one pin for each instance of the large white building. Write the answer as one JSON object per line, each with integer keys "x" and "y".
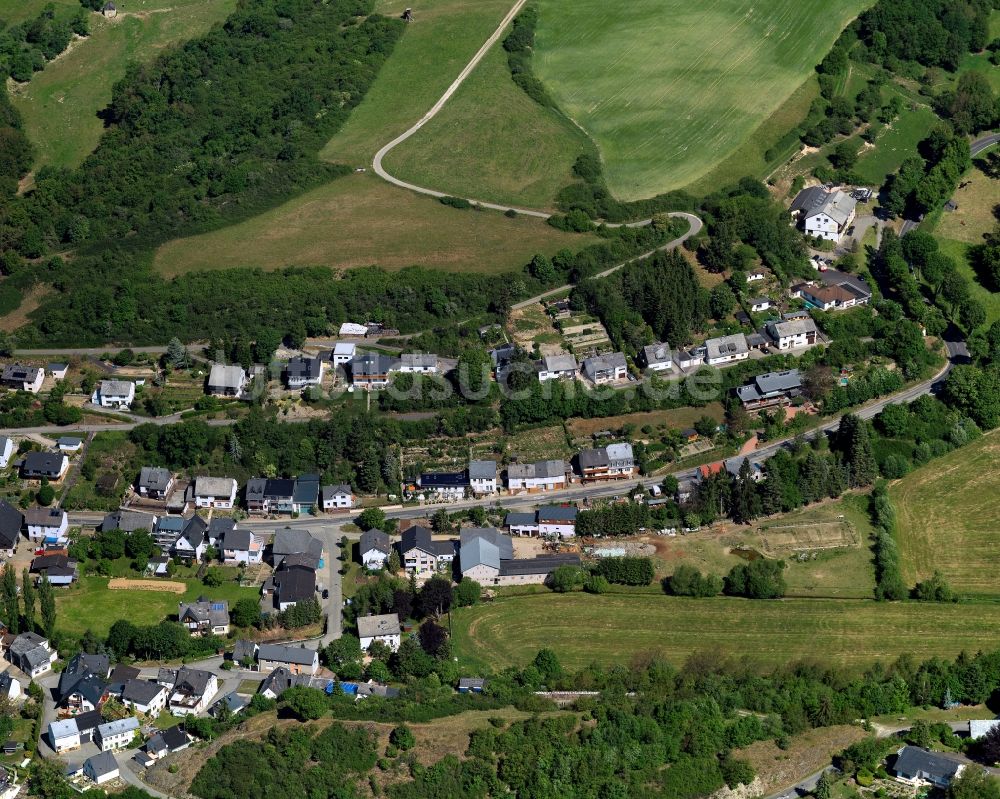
{"x": 214, "y": 492}
{"x": 824, "y": 214}
{"x": 793, "y": 334}
{"x": 540, "y": 476}
{"x": 114, "y": 394}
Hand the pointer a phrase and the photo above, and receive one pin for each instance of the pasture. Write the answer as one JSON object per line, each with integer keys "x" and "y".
{"x": 669, "y": 89}
{"x": 360, "y": 220}
{"x": 60, "y": 104}
{"x": 612, "y": 628}
{"x": 959, "y": 250}
{"x": 976, "y": 197}
{"x": 895, "y": 144}
{"x": 493, "y": 142}
{"x": 948, "y": 517}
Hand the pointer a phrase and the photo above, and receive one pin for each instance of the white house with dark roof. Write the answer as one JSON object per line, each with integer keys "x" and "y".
{"x": 918, "y": 767}
{"x": 338, "y": 497}
{"x": 384, "y": 628}
{"x": 32, "y": 654}
{"x": 193, "y": 690}
{"x": 304, "y": 372}
{"x": 57, "y": 370}
{"x": 657, "y": 357}
{"x": 50, "y": 465}
{"x": 155, "y": 482}
{"x": 759, "y": 304}
{"x": 771, "y": 388}
{"x": 420, "y": 553}
{"x": 830, "y": 217}
{"x": 297, "y": 659}
{"x": 47, "y": 525}
{"x": 372, "y": 370}
{"x": 793, "y": 334}
{"x": 607, "y": 368}
{"x": 241, "y": 546}
{"x": 11, "y": 521}
{"x": 726, "y": 349}
{"x": 23, "y": 378}
{"x": 557, "y": 520}
{"x": 374, "y": 549}
{"x": 539, "y": 476}
{"x": 215, "y": 492}
{"x": 612, "y": 462}
{"x": 114, "y": 394}
{"x": 145, "y": 696}
{"x": 101, "y": 768}
{"x": 205, "y": 616}
{"x": 419, "y": 362}
{"x": 557, "y": 367}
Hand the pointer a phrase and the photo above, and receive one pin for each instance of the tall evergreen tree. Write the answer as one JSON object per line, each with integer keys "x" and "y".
{"x": 28, "y": 597}
{"x": 8, "y": 587}
{"x": 47, "y": 603}
{"x": 744, "y": 504}
{"x": 855, "y": 442}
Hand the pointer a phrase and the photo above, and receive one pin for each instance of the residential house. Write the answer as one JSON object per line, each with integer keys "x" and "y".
{"x": 372, "y": 370}
{"x": 375, "y": 548}
{"x": 47, "y": 525}
{"x": 242, "y": 546}
{"x": 281, "y": 679}
{"x": 226, "y": 381}
{"x": 606, "y": 368}
{"x": 621, "y": 460}
{"x": 483, "y": 477}
{"x": 192, "y": 691}
{"x": 487, "y": 556}
{"x": 689, "y": 358}
{"x": 521, "y": 523}
{"x": 296, "y": 659}
{"x": 11, "y": 521}
{"x": 68, "y": 444}
{"x": 120, "y": 675}
{"x": 657, "y": 357}
{"x": 114, "y": 394}
{"x": 129, "y": 521}
{"x": 155, "y": 482}
{"x": 793, "y": 335}
{"x": 593, "y": 464}
{"x": 557, "y": 520}
{"x": 343, "y": 352}
{"x": 756, "y": 273}
{"x": 539, "y": 476}
{"x": 82, "y": 684}
{"x": 269, "y": 495}
{"x": 218, "y": 528}
{"x": 852, "y": 284}
{"x": 726, "y": 349}
{"x": 296, "y": 541}
{"x": 32, "y": 654}
{"x": 384, "y": 628}
{"x": 616, "y": 461}
{"x": 215, "y": 492}
{"x": 232, "y": 701}
{"x": 6, "y": 451}
{"x": 304, "y": 372}
{"x": 167, "y": 530}
{"x": 338, "y": 497}
{"x": 305, "y": 498}
{"x": 290, "y": 584}
{"x": 824, "y": 297}
{"x": 769, "y": 389}
{"x": 57, "y": 568}
{"x": 101, "y": 768}
{"x": 74, "y": 732}
{"x": 422, "y": 363}
{"x": 828, "y": 216}
{"x": 734, "y": 465}
{"x": 205, "y": 617}
{"x": 918, "y": 767}
{"x": 759, "y": 304}
{"x": 755, "y": 341}
{"x": 10, "y": 687}
{"x": 193, "y": 541}
{"x": 447, "y": 485}
{"x": 167, "y": 742}
{"x": 22, "y": 378}
{"x": 471, "y": 685}
{"x": 420, "y": 554}
{"x": 145, "y": 696}
{"x": 557, "y": 367}
{"x": 50, "y": 465}
{"x": 117, "y": 734}
{"x": 58, "y": 370}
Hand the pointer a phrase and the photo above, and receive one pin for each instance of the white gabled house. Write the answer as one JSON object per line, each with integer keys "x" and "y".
{"x": 215, "y": 492}
{"x": 384, "y": 628}
{"x": 338, "y": 497}
{"x": 114, "y": 394}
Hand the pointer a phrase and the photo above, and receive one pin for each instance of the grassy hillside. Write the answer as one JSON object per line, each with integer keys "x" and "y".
{"x": 60, "y": 104}
{"x": 360, "y": 220}
{"x": 949, "y": 516}
{"x": 670, "y": 89}
{"x": 493, "y": 142}
{"x": 611, "y": 628}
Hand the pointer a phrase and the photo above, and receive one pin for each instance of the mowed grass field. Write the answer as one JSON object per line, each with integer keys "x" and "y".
{"x": 493, "y": 142}
{"x": 611, "y": 628}
{"x": 60, "y": 104}
{"x": 949, "y": 516}
{"x": 668, "y": 89}
{"x": 360, "y": 220}
{"x": 91, "y": 605}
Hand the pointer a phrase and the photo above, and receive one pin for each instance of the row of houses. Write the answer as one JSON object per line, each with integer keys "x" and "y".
{"x": 42, "y": 526}
{"x": 598, "y": 369}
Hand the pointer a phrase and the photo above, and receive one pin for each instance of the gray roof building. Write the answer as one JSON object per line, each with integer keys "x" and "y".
{"x": 808, "y": 199}
{"x": 11, "y": 520}
{"x": 102, "y": 764}
{"x": 657, "y": 355}
{"x": 141, "y": 692}
{"x": 593, "y": 458}
{"x": 129, "y": 521}
{"x": 280, "y": 653}
{"x": 915, "y": 764}
{"x": 726, "y": 347}
{"x": 482, "y": 470}
{"x": 204, "y": 612}
{"x": 295, "y": 541}
{"x": 375, "y": 540}
{"x": 374, "y": 626}
{"x": 563, "y": 362}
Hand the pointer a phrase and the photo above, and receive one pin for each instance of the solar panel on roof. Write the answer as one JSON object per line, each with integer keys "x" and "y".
{"x": 218, "y": 606}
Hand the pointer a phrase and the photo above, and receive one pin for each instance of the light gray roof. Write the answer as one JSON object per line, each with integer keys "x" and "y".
{"x": 837, "y": 205}
{"x": 726, "y": 345}
{"x": 344, "y": 489}
{"x": 482, "y": 470}
{"x": 778, "y": 381}
{"x": 280, "y": 653}
{"x": 295, "y": 541}
{"x": 372, "y": 626}
{"x": 554, "y": 468}
{"x": 154, "y": 477}
{"x": 228, "y": 377}
{"x": 419, "y": 360}
{"x": 794, "y": 327}
{"x": 118, "y": 727}
{"x": 500, "y": 540}
{"x": 116, "y": 387}
{"x": 559, "y": 363}
{"x": 479, "y": 552}
{"x": 213, "y": 486}
{"x": 62, "y": 729}
{"x": 129, "y": 521}
{"x": 44, "y": 517}
{"x": 620, "y": 452}
{"x": 656, "y": 353}
{"x": 605, "y": 363}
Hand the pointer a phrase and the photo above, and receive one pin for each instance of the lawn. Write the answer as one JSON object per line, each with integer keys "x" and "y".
{"x": 13, "y": 12}
{"x": 959, "y": 251}
{"x": 677, "y": 419}
{"x": 669, "y": 89}
{"x": 977, "y": 196}
{"x": 60, "y": 103}
{"x": 611, "y": 628}
{"x": 442, "y": 38}
{"x": 90, "y": 605}
{"x": 896, "y": 143}
{"x": 948, "y": 518}
{"x": 360, "y": 220}
{"x": 493, "y": 142}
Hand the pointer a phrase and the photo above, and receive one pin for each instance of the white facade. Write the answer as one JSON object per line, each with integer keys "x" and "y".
{"x": 214, "y": 492}
{"x": 374, "y": 558}
{"x": 830, "y": 219}
{"x": 557, "y": 367}
{"x": 114, "y": 394}
{"x": 153, "y": 707}
{"x": 64, "y": 735}
{"x": 343, "y": 352}
{"x": 181, "y": 704}
{"x": 6, "y": 451}
{"x": 51, "y": 526}
{"x": 726, "y": 349}
{"x": 338, "y": 498}
{"x": 384, "y": 628}
{"x": 117, "y": 734}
